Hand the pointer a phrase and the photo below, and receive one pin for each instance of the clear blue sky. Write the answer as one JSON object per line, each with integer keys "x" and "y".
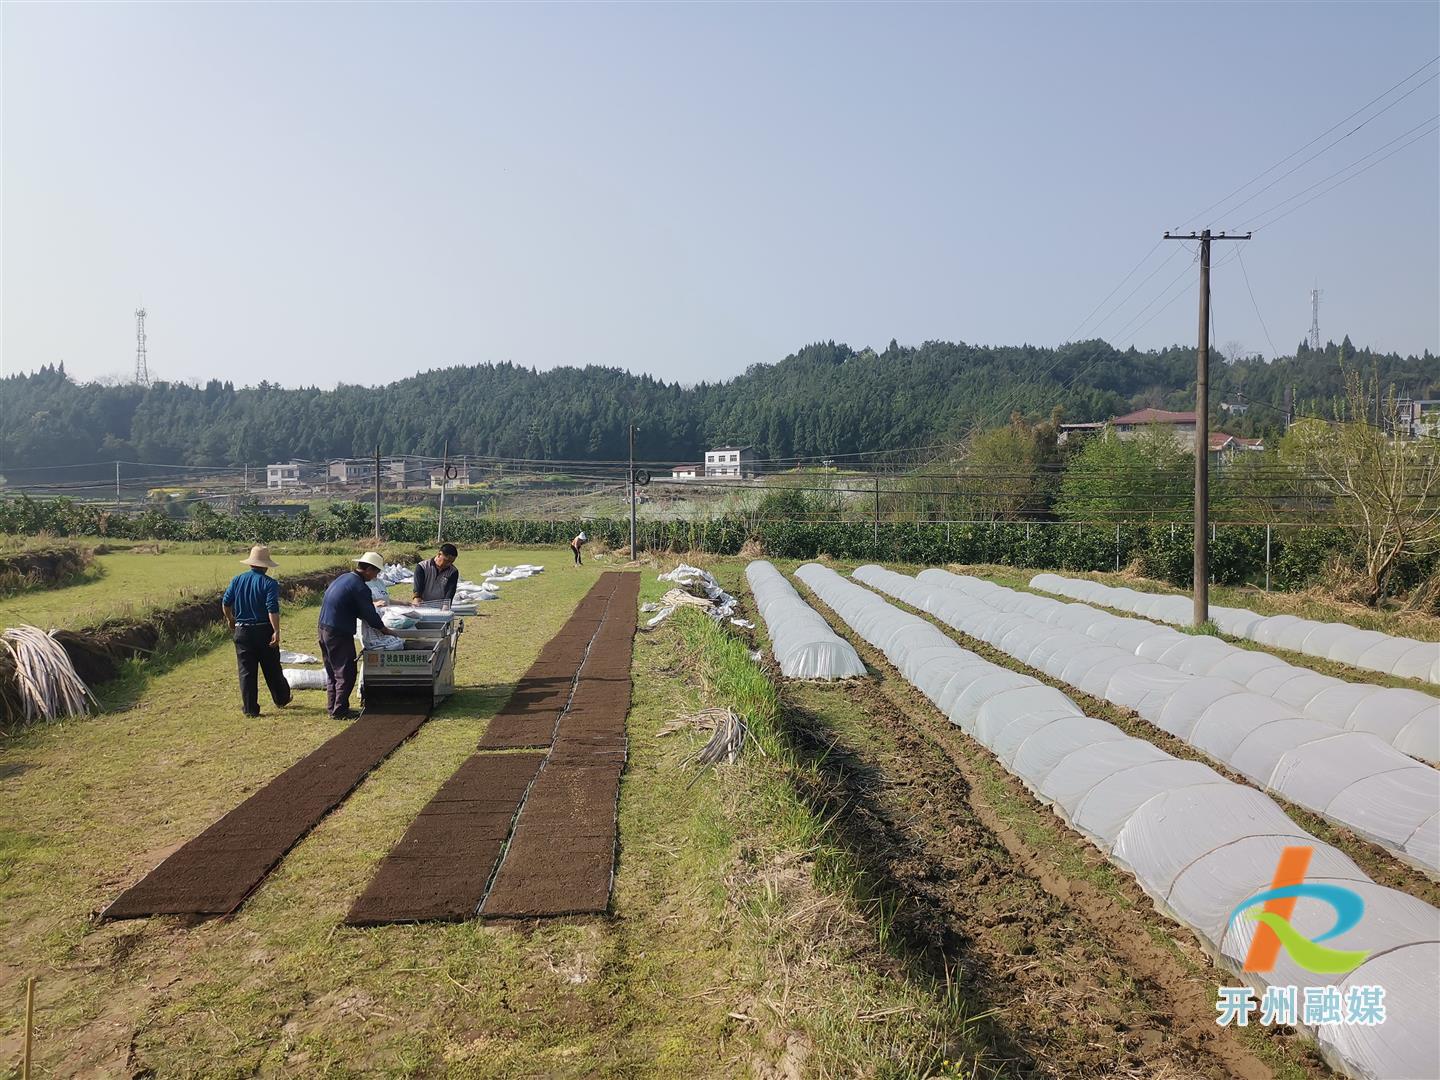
{"x": 320, "y": 193}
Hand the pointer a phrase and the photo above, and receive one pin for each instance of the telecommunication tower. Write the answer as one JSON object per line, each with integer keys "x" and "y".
{"x": 142, "y": 367}
{"x": 1314, "y": 337}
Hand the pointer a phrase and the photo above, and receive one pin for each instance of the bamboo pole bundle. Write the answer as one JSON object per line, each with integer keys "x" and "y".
{"x": 43, "y": 684}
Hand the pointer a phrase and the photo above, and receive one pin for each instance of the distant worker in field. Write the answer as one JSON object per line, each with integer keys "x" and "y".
{"x": 347, "y": 599}
{"x": 436, "y": 577}
{"x": 252, "y": 611}
{"x": 576, "y": 544}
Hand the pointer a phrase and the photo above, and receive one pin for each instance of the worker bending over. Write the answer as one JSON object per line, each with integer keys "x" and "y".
{"x": 347, "y": 599}
{"x": 252, "y": 611}
{"x": 576, "y": 545}
{"x": 436, "y": 577}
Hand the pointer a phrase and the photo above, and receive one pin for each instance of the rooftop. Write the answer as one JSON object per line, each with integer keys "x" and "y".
{"x": 1155, "y": 416}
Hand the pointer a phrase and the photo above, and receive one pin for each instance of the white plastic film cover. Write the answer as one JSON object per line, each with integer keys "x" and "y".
{"x": 1271, "y": 741}
{"x": 1367, "y": 649}
{"x": 804, "y": 645}
{"x": 1196, "y": 842}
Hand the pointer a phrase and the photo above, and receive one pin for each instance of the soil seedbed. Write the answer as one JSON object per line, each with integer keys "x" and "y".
{"x": 214, "y": 873}
{"x": 442, "y": 865}
{"x": 529, "y": 717}
{"x": 562, "y": 859}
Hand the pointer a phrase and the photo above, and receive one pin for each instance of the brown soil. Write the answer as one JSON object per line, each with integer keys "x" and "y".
{"x": 441, "y": 866}
{"x": 216, "y": 871}
{"x": 560, "y": 860}
{"x": 1078, "y": 983}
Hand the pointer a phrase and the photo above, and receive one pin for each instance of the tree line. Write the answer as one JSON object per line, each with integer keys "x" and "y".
{"x": 825, "y": 400}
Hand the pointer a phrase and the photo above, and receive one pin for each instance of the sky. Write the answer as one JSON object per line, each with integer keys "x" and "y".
{"x": 316, "y": 194}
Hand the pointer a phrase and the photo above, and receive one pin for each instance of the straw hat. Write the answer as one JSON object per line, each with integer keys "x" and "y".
{"x": 372, "y": 558}
{"x": 260, "y": 556}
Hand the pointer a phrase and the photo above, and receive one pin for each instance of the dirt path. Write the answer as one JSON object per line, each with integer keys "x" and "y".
{"x": 1084, "y": 978}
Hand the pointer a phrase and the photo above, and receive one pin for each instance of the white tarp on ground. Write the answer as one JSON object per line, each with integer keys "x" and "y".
{"x": 1197, "y": 843}
{"x": 805, "y": 646}
{"x": 1341, "y": 642}
{"x": 1351, "y": 777}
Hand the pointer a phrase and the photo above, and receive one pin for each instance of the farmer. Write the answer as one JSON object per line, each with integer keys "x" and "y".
{"x": 436, "y": 577}
{"x": 576, "y": 545}
{"x": 252, "y": 611}
{"x": 348, "y": 598}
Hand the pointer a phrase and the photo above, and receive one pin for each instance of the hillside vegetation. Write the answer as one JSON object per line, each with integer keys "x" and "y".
{"x": 826, "y": 399}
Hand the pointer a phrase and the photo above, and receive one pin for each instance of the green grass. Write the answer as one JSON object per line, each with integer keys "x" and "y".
{"x": 721, "y": 955}
{"x": 129, "y": 583}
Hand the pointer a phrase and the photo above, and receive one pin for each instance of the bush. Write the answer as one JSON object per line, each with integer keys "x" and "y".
{"x": 1237, "y": 552}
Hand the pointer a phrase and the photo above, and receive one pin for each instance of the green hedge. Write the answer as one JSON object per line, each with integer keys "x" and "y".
{"x": 1164, "y": 551}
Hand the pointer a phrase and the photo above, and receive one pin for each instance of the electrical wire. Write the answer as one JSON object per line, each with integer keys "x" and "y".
{"x": 1312, "y": 142}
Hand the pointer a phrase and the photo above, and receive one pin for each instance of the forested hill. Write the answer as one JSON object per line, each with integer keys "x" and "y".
{"x": 827, "y": 399}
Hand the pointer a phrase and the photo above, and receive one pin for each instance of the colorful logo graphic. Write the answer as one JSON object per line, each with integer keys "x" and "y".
{"x": 1275, "y": 931}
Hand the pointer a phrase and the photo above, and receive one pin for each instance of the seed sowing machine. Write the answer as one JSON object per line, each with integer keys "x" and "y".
{"x": 423, "y": 671}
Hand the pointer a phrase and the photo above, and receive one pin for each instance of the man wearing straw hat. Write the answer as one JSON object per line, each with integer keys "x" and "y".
{"x": 252, "y": 609}
{"x": 347, "y": 599}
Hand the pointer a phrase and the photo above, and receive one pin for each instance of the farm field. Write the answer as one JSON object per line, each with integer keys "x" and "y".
{"x": 871, "y": 895}
{"x": 131, "y": 581}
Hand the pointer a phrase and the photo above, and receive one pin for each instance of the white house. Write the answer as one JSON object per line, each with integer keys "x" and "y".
{"x": 352, "y": 471}
{"x": 282, "y": 476}
{"x": 729, "y": 461}
{"x": 687, "y": 472}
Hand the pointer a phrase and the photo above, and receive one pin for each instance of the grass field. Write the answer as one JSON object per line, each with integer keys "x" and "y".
{"x": 706, "y": 967}
{"x": 130, "y": 582}
{"x": 866, "y": 894}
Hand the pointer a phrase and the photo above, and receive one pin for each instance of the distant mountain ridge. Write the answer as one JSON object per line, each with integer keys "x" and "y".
{"x": 827, "y": 399}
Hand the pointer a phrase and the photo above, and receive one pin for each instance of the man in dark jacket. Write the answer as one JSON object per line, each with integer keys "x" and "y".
{"x": 252, "y": 610}
{"x": 436, "y": 577}
{"x": 347, "y": 599}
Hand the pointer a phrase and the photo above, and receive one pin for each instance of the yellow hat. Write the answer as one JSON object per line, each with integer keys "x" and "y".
{"x": 260, "y": 556}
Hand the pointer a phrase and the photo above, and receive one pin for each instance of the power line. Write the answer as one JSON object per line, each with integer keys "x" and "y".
{"x": 1274, "y": 352}
{"x": 1342, "y": 183}
{"x": 1312, "y": 142}
{"x": 1322, "y": 150}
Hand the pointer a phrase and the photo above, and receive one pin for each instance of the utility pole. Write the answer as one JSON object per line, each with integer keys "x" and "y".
{"x": 117, "y": 483}
{"x": 633, "y": 553}
{"x": 1202, "y": 425}
{"x": 876, "y": 530}
{"x": 444, "y": 481}
{"x": 377, "y": 493}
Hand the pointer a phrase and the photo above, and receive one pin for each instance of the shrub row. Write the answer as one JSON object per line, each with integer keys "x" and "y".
{"x": 1237, "y": 553}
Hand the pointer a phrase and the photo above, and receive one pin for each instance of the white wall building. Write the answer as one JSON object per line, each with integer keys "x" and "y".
{"x": 729, "y": 461}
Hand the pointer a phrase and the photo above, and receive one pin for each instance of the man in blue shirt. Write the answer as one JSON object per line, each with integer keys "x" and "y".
{"x": 347, "y": 599}
{"x": 252, "y": 609}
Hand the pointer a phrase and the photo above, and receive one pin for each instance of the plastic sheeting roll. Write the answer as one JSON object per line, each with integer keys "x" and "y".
{"x": 804, "y": 645}
{"x": 1198, "y": 844}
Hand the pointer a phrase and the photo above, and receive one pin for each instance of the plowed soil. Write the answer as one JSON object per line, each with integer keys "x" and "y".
{"x": 216, "y": 871}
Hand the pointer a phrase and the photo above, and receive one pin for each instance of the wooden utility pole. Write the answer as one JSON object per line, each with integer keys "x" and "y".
{"x": 377, "y": 493}
{"x": 633, "y": 553}
{"x": 1202, "y": 424}
{"x": 444, "y": 482}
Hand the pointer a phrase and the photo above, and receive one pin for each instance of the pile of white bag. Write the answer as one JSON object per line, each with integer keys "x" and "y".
{"x": 394, "y": 574}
